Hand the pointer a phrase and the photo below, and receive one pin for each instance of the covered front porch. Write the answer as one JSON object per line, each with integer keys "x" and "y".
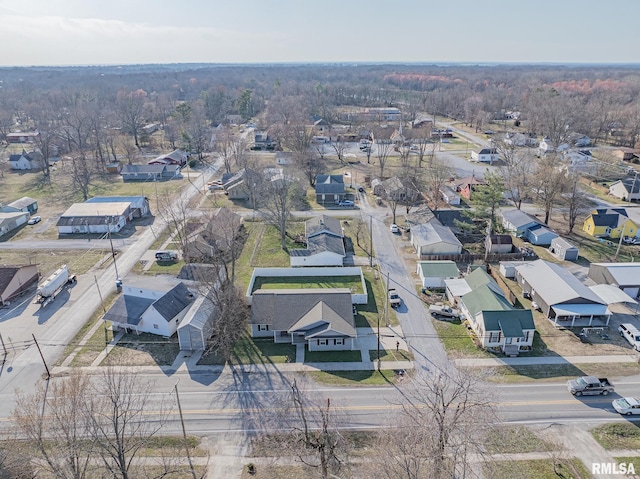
{"x": 580, "y": 315}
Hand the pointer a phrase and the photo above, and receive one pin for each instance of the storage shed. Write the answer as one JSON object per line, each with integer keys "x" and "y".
{"x": 561, "y": 248}
{"x": 196, "y": 327}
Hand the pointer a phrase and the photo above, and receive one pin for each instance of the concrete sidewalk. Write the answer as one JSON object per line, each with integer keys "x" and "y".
{"x": 487, "y": 362}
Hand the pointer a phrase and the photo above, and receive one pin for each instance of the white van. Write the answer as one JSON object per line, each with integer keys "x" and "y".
{"x": 631, "y": 334}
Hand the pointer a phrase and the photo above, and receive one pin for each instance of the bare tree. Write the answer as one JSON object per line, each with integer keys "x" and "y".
{"x": 442, "y": 424}
{"x": 232, "y": 316}
{"x": 340, "y": 148}
{"x": 363, "y": 237}
{"x": 517, "y": 170}
{"x": 81, "y": 173}
{"x": 311, "y": 431}
{"x": 550, "y": 182}
{"x": 119, "y": 423}
{"x": 279, "y": 197}
{"x": 576, "y": 201}
{"x": 383, "y": 150}
{"x": 130, "y": 108}
{"x": 52, "y": 419}
{"x": 436, "y": 177}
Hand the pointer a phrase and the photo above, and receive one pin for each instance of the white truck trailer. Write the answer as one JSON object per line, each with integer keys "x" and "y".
{"x": 48, "y": 290}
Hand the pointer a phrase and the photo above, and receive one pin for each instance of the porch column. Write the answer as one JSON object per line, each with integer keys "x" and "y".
{"x": 573, "y": 320}
{"x": 608, "y": 319}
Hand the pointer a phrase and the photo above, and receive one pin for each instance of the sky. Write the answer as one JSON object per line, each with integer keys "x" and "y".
{"x": 114, "y": 32}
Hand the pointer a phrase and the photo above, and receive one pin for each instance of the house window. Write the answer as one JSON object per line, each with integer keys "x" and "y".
{"x": 526, "y": 336}
{"x": 323, "y": 342}
{"x": 155, "y": 326}
{"x": 507, "y": 340}
{"x": 338, "y": 342}
{"x": 263, "y": 327}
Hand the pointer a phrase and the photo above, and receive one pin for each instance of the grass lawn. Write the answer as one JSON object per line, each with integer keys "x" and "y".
{"x": 618, "y": 435}
{"x": 369, "y": 313}
{"x": 456, "y": 340}
{"x": 94, "y": 346}
{"x": 270, "y": 252}
{"x": 594, "y": 251}
{"x": 249, "y": 350}
{"x": 514, "y": 439}
{"x": 635, "y": 460}
{"x": 386, "y": 377}
{"x": 161, "y": 238}
{"x": 561, "y": 372}
{"x": 165, "y": 267}
{"x": 331, "y": 356}
{"x": 244, "y": 267}
{"x": 536, "y": 469}
{"x": 302, "y": 282}
{"x": 390, "y": 355}
{"x": 143, "y": 350}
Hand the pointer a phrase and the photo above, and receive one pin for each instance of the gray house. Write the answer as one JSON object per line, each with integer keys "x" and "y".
{"x": 329, "y": 189}
{"x": 196, "y": 327}
{"x": 150, "y": 172}
{"x": 561, "y": 248}
{"x": 518, "y": 222}
{"x": 320, "y": 318}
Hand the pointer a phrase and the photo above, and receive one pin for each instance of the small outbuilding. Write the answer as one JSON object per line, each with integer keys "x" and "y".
{"x": 498, "y": 244}
{"x": 434, "y": 273}
{"x": 24, "y": 204}
{"x": 434, "y": 239}
{"x": 540, "y": 235}
{"x": 196, "y": 327}
{"x": 12, "y": 221}
{"x": 562, "y": 249}
{"x": 15, "y": 280}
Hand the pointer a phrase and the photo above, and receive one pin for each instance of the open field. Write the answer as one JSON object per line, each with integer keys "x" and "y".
{"x": 78, "y": 261}
{"x": 143, "y": 350}
{"x": 625, "y": 435}
{"x": 537, "y": 469}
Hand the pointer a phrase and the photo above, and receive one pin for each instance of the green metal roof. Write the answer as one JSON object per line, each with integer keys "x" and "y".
{"x": 439, "y": 269}
{"x": 484, "y": 298}
{"x": 510, "y": 322}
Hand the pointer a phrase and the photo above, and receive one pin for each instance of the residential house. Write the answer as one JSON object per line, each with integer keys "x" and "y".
{"x": 564, "y": 250}
{"x": 626, "y": 154}
{"x": 16, "y": 280}
{"x": 511, "y": 330}
{"x": 150, "y": 172}
{"x": 24, "y": 204}
{"x": 559, "y": 294}
{"x": 423, "y": 122}
{"x": 212, "y": 242}
{"x": 579, "y": 140}
{"x": 396, "y": 189}
{"x": 22, "y": 137}
{"x": 176, "y": 157}
{"x": 325, "y": 243}
{"x": 609, "y": 223}
{"x": 139, "y": 205}
{"x": 97, "y": 218}
{"x": 434, "y": 239}
{"x": 196, "y": 327}
{"x": 419, "y": 216}
{"x": 626, "y": 190}
{"x": 329, "y": 189}
{"x": 625, "y": 276}
{"x": 449, "y": 196}
{"x": 540, "y": 235}
{"x": 434, "y": 273}
{"x": 466, "y": 186}
{"x": 11, "y": 221}
{"x": 143, "y": 310}
{"x": 262, "y": 141}
{"x": 376, "y": 187}
{"x": 26, "y": 161}
{"x": 518, "y": 222}
{"x": 235, "y": 185}
{"x": 548, "y": 146}
{"x": 498, "y": 244}
{"x": 320, "y": 318}
{"x": 485, "y": 155}
{"x": 458, "y": 287}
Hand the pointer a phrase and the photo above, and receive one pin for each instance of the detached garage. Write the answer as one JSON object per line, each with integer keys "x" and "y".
{"x": 625, "y": 276}
{"x": 433, "y": 273}
{"x": 562, "y": 249}
{"x": 196, "y": 327}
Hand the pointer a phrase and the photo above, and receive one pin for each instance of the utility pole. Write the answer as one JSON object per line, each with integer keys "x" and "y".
{"x": 633, "y": 186}
{"x": 106, "y": 335}
{"x": 4, "y": 348}
{"x": 386, "y": 304}
{"x": 370, "y": 241}
{"x": 184, "y": 433}
{"x": 113, "y": 253}
{"x": 42, "y": 356}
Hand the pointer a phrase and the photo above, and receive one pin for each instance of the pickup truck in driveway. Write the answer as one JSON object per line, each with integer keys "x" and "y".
{"x": 589, "y": 386}
{"x": 444, "y": 312}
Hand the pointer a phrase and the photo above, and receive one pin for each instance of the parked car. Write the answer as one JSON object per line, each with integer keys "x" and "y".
{"x": 394, "y": 228}
{"x": 346, "y": 203}
{"x": 361, "y": 189}
{"x": 34, "y": 219}
{"x": 166, "y": 256}
{"x": 631, "y": 240}
{"x": 627, "y": 406}
{"x": 444, "y": 313}
{"x": 629, "y": 332}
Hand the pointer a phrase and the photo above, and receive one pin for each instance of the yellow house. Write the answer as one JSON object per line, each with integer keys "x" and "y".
{"x": 609, "y": 223}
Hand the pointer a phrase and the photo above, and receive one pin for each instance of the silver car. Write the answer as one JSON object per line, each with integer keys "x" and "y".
{"x": 627, "y": 406}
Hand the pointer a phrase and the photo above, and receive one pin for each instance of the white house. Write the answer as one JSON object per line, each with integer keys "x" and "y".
{"x": 26, "y": 161}
{"x": 325, "y": 244}
{"x": 434, "y": 239}
{"x": 433, "y": 273}
{"x": 485, "y": 155}
{"x": 626, "y": 189}
{"x": 143, "y": 310}
{"x": 511, "y": 330}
